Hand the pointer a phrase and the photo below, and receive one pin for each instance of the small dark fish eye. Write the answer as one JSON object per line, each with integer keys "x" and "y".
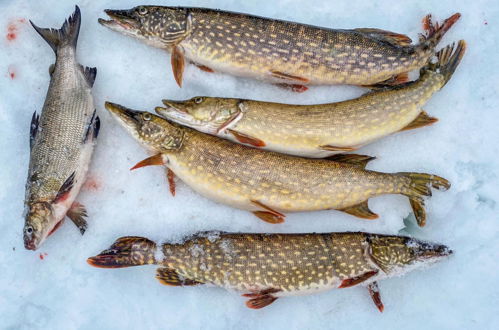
{"x": 29, "y": 230}
{"x": 198, "y": 100}
{"x": 147, "y": 116}
{"x": 142, "y": 10}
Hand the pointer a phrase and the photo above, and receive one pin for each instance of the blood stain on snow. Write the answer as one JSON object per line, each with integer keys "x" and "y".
{"x": 92, "y": 184}
{"x": 12, "y": 28}
{"x": 12, "y": 72}
{"x": 43, "y": 255}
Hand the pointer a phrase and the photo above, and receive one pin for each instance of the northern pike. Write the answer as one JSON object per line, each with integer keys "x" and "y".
{"x": 268, "y": 183}
{"x": 277, "y": 51}
{"x": 269, "y": 266}
{"x": 62, "y": 139}
{"x": 318, "y": 130}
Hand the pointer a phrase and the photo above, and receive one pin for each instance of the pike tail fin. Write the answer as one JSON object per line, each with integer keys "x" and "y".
{"x": 434, "y": 32}
{"x": 66, "y": 35}
{"x": 419, "y": 186}
{"x": 126, "y": 252}
{"x": 448, "y": 59}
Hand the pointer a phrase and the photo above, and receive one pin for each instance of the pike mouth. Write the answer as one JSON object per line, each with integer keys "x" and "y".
{"x": 127, "y": 117}
{"x": 119, "y": 19}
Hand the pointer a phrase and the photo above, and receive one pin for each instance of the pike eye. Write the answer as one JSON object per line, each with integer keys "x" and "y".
{"x": 198, "y": 100}
{"x": 142, "y": 11}
{"x": 146, "y": 116}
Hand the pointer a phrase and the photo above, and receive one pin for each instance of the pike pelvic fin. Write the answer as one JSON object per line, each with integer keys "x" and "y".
{"x": 65, "y": 189}
{"x": 361, "y": 211}
{"x": 423, "y": 119}
{"x": 270, "y": 215}
{"x": 67, "y": 35}
{"x": 178, "y": 64}
{"x": 246, "y": 139}
{"x": 376, "y": 297}
{"x": 204, "y": 68}
{"x": 387, "y": 36}
{"x": 33, "y": 129}
{"x": 126, "y": 252}
{"x": 357, "y": 279}
{"x": 419, "y": 186}
{"x": 261, "y": 299}
{"x": 170, "y": 277}
{"x": 360, "y": 161}
{"x": 396, "y": 80}
{"x": 153, "y": 160}
{"x": 77, "y": 213}
{"x": 171, "y": 181}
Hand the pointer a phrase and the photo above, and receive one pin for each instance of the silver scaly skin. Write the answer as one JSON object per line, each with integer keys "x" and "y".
{"x": 268, "y": 266}
{"x": 62, "y": 139}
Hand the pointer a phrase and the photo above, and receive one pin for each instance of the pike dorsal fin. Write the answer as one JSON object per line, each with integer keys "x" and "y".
{"x": 360, "y": 161}
{"x": 423, "y": 119}
{"x": 388, "y": 36}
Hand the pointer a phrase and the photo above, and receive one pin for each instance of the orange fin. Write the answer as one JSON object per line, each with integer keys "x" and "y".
{"x": 333, "y": 148}
{"x": 77, "y": 214}
{"x": 360, "y": 161}
{"x": 436, "y": 31}
{"x": 261, "y": 299}
{"x": 396, "y": 80}
{"x": 246, "y": 139}
{"x": 374, "y": 292}
{"x": 171, "y": 181}
{"x": 269, "y": 217}
{"x": 204, "y": 68}
{"x": 357, "y": 280}
{"x": 170, "y": 277}
{"x": 294, "y": 87}
{"x": 153, "y": 160}
{"x": 178, "y": 64}
{"x": 361, "y": 211}
{"x": 285, "y": 76}
{"x": 423, "y": 119}
{"x": 388, "y": 36}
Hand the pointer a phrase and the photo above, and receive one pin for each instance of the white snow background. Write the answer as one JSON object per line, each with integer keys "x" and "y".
{"x": 61, "y": 291}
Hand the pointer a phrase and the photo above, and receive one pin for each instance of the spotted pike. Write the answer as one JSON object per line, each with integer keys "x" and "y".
{"x": 61, "y": 139}
{"x": 268, "y": 183}
{"x": 269, "y": 266}
{"x": 277, "y": 51}
{"x": 318, "y": 130}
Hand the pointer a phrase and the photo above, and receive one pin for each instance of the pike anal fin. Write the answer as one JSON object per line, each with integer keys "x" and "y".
{"x": 361, "y": 211}
{"x": 170, "y": 277}
{"x": 360, "y": 161}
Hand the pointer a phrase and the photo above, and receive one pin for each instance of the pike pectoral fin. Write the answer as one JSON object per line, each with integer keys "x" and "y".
{"x": 153, "y": 160}
{"x": 33, "y": 129}
{"x": 270, "y": 215}
{"x": 360, "y": 161}
{"x": 65, "y": 189}
{"x": 261, "y": 299}
{"x": 285, "y": 76}
{"x": 361, "y": 211}
{"x": 357, "y": 280}
{"x": 171, "y": 181}
{"x": 178, "y": 64}
{"x": 170, "y": 277}
{"x": 423, "y": 119}
{"x": 374, "y": 292}
{"x": 246, "y": 139}
{"x": 204, "y": 68}
{"x": 333, "y": 148}
{"x": 399, "y": 79}
{"x": 388, "y": 36}
{"x": 294, "y": 87}
{"x": 77, "y": 214}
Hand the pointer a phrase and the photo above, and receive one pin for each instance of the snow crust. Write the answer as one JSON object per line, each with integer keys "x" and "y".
{"x": 55, "y": 288}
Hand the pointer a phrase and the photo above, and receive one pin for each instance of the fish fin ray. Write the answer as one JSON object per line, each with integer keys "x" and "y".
{"x": 360, "y": 161}
{"x": 93, "y": 127}
{"x": 333, "y": 148}
{"x": 246, "y": 139}
{"x": 270, "y": 215}
{"x": 65, "y": 189}
{"x": 289, "y": 77}
{"x": 434, "y": 32}
{"x": 423, "y": 119}
{"x": 168, "y": 276}
{"x": 261, "y": 301}
{"x": 153, "y": 160}
{"x": 357, "y": 279}
{"x": 33, "y": 129}
{"x": 66, "y": 35}
{"x": 77, "y": 213}
{"x": 388, "y": 36}
{"x": 360, "y": 210}
{"x": 375, "y": 295}
{"x": 204, "y": 68}
{"x": 178, "y": 64}
{"x": 171, "y": 181}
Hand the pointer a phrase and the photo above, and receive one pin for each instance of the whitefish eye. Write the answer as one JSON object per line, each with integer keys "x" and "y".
{"x": 198, "y": 100}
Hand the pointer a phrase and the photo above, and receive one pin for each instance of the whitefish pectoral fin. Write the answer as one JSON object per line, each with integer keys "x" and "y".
{"x": 246, "y": 139}
{"x": 178, "y": 64}
{"x": 357, "y": 279}
{"x": 423, "y": 119}
{"x": 93, "y": 127}
{"x": 65, "y": 189}
{"x": 375, "y": 295}
{"x": 361, "y": 211}
{"x": 150, "y": 161}
{"x": 77, "y": 213}
{"x": 170, "y": 277}
{"x": 360, "y": 161}
{"x": 33, "y": 129}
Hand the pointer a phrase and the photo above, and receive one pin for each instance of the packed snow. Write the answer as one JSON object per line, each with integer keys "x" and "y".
{"x": 54, "y": 287}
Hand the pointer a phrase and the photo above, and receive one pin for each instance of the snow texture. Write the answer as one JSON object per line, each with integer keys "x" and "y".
{"x": 54, "y": 288}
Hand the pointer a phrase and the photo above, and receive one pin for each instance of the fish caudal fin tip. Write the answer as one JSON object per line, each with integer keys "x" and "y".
{"x": 448, "y": 59}
{"x": 434, "y": 32}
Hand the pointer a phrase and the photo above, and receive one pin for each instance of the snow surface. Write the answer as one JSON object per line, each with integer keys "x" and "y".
{"x": 61, "y": 291}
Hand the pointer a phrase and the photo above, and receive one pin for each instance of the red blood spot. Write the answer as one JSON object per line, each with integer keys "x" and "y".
{"x": 11, "y": 72}
{"x": 12, "y": 29}
{"x": 91, "y": 184}
{"x": 43, "y": 255}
